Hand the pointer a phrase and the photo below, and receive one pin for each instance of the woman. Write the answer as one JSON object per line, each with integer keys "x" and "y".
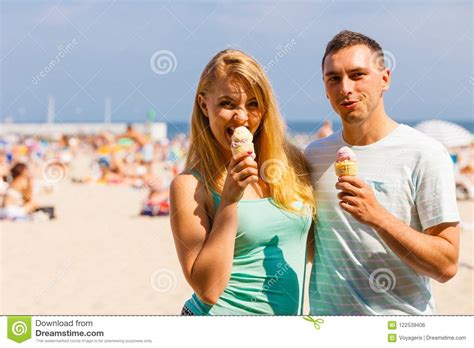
{"x": 18, "y": 203}
{"x": 240, "y": 225}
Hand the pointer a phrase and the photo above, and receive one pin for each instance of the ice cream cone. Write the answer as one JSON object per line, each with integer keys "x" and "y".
{"x": 346, "y": 162}
{"x": 346, "y": 168}
{"x": 242, "y": 143}
{"x": 240, "y": 150}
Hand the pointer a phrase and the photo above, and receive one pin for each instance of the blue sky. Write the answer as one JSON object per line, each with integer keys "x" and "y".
{"x": 103, "y": 49}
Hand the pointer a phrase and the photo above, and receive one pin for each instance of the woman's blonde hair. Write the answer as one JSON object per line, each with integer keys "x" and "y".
{"x": 281, "y": 164}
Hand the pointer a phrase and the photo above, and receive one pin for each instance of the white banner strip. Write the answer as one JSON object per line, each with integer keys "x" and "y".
{"x": 178, "y": 331}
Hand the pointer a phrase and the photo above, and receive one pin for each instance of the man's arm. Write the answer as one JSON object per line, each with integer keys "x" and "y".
{"x": 434, "y": 253}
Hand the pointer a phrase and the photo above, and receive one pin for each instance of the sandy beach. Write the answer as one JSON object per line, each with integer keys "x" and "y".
{"x": 100, "y": 257}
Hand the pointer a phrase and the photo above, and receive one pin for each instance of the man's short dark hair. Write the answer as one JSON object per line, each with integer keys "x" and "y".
{"x": 347, "y": 38}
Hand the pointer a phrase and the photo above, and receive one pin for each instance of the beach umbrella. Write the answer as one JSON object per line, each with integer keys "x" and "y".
{"x": 447, "y": 133}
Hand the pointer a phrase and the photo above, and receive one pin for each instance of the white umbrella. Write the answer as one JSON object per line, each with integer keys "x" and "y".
{"x": 449, "y": 134}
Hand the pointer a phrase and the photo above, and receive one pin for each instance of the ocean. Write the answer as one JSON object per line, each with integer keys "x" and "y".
{"x": 304, "y": 127}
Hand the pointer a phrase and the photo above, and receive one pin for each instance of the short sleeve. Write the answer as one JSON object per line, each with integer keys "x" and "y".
{"x": 435, "y": 188}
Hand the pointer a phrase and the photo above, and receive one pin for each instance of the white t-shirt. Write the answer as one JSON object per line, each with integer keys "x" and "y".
{"x": 354, "y": 272}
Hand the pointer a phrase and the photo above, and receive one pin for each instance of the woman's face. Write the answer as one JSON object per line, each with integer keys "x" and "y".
{"x": 229, "y": 105}
{"x": 22, "y": 181}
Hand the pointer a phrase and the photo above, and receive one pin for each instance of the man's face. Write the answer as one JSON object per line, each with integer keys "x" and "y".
{"x": 354, "y": 82}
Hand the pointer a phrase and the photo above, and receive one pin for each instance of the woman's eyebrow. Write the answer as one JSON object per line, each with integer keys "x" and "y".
{"x": 225, "y": 96}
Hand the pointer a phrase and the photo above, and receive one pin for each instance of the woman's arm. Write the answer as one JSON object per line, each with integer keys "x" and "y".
{"x": 206, "y": 252}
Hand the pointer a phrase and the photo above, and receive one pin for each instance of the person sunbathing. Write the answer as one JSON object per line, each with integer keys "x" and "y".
{"x": 18, "y": 202}
{"x": 157, "y": 203}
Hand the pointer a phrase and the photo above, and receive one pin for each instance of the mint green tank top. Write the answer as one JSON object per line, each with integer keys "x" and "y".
{"x": 268, "y": 270}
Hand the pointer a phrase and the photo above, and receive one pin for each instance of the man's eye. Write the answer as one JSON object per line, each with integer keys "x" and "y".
{"x": 356, "y": 75}
{"x": 333, "y": 78}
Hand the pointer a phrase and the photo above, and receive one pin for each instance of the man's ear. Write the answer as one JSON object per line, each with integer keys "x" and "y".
{"x": 386, "y": 79}
{"x": 203, "y": 105}
{"x": 325, "y": 90}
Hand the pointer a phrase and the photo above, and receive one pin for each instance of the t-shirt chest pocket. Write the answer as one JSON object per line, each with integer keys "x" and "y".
{"x": 381, "y": 188}
{"x": 392, "y": 194}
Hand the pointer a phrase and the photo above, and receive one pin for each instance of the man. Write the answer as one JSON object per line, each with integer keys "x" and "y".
{"x": 325, "y": 130}
{"x": 382, "y": 234}
{"x": 134, "y": 135}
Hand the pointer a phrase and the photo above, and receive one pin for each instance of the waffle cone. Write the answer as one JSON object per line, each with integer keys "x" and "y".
{"x": 346, "y": 168}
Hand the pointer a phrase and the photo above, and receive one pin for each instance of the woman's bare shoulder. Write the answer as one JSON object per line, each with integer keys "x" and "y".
{"x": 187, "y": 185}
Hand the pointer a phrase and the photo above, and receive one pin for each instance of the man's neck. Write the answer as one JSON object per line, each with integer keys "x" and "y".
{"x": 376, "y": 127}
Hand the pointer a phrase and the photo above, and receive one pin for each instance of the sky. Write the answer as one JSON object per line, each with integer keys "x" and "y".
{"x": 144, "y": 55}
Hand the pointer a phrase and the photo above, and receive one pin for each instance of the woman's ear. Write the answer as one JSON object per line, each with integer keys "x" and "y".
{"x": 203, "y": 105}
